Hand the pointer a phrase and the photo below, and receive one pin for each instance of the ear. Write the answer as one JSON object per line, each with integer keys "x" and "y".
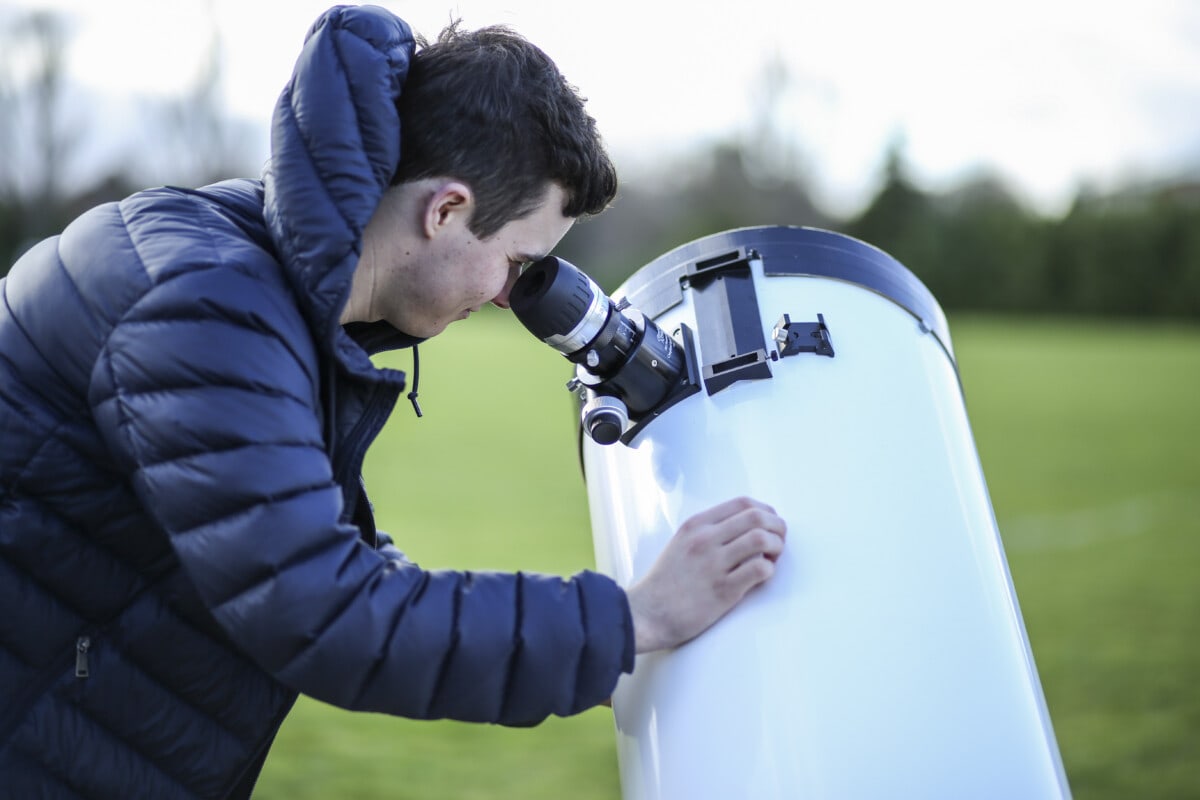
{"x": 449, "y": 207}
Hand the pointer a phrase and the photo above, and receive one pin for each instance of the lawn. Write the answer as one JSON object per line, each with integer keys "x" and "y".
{"x": 1089, "y": 433}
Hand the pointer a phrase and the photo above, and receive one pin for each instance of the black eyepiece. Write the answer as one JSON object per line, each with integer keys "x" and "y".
{"x": 623, "y": 354}
{"x": 559, "y": 304}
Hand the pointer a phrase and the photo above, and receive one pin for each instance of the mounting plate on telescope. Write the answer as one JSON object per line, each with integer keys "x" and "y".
{"x": 794, "y": 338}
{"x": 727, "y": 315}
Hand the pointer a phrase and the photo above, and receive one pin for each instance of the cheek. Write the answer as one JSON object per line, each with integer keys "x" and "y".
{"x": 496, "y": 280}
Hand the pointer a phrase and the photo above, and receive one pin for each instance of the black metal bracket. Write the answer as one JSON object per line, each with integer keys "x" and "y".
{"x": 794, "y": 338}
{"x": 731, "y": 338}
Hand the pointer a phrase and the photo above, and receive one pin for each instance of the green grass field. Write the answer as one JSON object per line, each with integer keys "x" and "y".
{"x": 1089, "y": 435}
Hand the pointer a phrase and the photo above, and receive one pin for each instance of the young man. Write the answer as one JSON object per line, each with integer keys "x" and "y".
{"x": 185, "y": 401}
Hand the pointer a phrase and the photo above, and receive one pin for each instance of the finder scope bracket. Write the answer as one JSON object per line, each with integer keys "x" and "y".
{"x": 794, "y": 338}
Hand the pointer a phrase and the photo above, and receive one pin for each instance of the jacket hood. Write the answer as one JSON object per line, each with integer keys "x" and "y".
{"x": 335, "y": 146}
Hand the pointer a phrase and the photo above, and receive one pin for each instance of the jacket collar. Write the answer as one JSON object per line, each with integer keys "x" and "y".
{"x": 377, "y": 337}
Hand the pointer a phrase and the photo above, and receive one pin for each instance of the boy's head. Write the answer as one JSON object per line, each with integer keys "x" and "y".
{"x": 491, "y": 109}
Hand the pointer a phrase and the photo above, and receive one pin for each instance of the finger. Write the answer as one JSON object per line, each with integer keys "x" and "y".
{"x": 719, "y": 512}
{"x": 750, "y": 573}
{"x": 723, "y": 511}
{"x": 747, "y": 520}
{"x": 752, "y": 544}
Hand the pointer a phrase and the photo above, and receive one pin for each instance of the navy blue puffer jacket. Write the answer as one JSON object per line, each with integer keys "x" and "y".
{"x": 184, "y": 543}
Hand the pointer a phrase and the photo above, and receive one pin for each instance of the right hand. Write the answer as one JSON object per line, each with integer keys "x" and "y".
{"x": 707, "y": 567}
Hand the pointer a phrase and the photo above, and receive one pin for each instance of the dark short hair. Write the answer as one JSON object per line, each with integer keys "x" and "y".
{"x": 489, "y": 108}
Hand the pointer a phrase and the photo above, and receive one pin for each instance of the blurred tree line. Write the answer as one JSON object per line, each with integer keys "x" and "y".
{"x": 1134, "y": 251}
{"x": 1131, "y": 252}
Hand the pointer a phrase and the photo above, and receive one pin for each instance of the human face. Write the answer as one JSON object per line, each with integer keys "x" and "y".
{"x": 447, "y": 273}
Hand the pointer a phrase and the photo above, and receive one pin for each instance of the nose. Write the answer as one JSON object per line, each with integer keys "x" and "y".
{"x": 501, "y": 300}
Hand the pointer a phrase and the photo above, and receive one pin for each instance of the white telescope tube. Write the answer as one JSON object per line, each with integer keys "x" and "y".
{"x": 887, "y": 658}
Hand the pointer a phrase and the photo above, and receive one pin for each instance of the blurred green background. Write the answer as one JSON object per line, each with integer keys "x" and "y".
{"x": 1088, "y": 433}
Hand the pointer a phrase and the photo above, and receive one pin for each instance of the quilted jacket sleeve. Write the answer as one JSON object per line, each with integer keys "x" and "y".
{"x": 206, "y": 392}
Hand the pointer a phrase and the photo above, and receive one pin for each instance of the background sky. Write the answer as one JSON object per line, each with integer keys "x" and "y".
{"x": 1051, "y": 94}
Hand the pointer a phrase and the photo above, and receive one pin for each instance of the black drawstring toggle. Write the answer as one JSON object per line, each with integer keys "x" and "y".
{"x": 412, "y": 396}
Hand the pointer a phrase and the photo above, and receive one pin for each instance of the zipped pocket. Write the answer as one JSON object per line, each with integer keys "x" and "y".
{"x": 14, "y": 712}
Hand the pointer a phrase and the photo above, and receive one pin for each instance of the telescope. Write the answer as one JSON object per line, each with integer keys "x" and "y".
{"x": 887, "y": 657}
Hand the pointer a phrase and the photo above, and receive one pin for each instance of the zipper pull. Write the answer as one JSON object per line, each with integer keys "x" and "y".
{"x": 82, "y": 645}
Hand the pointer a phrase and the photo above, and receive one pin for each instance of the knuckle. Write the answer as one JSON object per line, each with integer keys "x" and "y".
{"x": 760, "y": 540}
{"x": 691, "y": 529}
{"x": 695, "y": 546}
{"x": 756, "y": 517}
{"x": 762, "y": 569}
{"x": 744, "y": 503}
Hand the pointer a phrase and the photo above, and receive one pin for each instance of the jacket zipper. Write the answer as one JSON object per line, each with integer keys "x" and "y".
{"x": 82, "y": 645}
{"x": 376, "y": 410}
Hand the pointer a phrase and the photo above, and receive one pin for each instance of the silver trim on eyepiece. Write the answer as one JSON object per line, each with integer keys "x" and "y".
{"x": 588, "y": 328}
